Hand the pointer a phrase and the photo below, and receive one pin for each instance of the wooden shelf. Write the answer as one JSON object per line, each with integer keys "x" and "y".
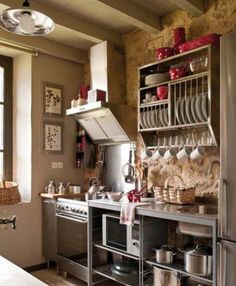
{"x": 154, "y": 103}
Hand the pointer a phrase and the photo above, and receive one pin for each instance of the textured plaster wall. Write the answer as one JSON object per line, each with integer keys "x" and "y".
{"x": 220, "y": 17}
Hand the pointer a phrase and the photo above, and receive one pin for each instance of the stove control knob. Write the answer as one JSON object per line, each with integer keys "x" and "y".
{"x": 85, "y": 213}
{"x": 62, "y": 208}
{"x": 72, "y": 210}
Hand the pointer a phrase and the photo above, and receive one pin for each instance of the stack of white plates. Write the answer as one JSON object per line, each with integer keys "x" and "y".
{"x": 192, "y": 109}
{"x": 156, "y": 78}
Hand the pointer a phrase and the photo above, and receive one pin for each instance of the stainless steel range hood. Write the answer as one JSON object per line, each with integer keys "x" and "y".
{"x": 109, "y": 122}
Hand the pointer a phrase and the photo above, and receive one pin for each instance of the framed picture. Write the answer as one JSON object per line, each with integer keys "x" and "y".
{"x": 52, "y": 99}
{"x": 52, "y": 137}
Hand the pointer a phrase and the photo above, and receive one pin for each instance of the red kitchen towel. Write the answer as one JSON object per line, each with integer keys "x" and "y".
{"x": 127, "y": 213}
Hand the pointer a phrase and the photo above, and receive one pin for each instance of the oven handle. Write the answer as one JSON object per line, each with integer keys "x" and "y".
{"x": 71, "y": 218}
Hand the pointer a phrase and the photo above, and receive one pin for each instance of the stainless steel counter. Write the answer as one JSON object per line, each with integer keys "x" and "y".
{"x": 185, "y": 213}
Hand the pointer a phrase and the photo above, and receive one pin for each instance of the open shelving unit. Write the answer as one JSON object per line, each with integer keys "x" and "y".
{"x": 178, "y": 267}
{"x": 192, "y": 105}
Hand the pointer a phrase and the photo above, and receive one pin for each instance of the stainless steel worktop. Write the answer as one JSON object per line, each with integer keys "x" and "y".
{"x": 186, "y": 213}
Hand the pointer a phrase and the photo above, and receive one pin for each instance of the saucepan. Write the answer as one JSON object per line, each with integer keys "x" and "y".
{"x": 164, "y": 254}
{"x": 199, "y": 260}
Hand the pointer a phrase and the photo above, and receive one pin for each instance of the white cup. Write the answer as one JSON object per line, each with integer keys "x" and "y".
{"x": 148, "y": 96}
{"x": 154, "y": 98}
{"x": 197, "y": 153}
{"x": 146, "y": 154}
{"x": 183, "y": 153}
{"x": 158, "y": 154}
{"x": 170, "y": 154}
{"x": 74, "y": 189}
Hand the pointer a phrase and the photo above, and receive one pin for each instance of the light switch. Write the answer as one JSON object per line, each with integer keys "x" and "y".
{"x": 60, "y": 165}
{"x": 54, "y": 165}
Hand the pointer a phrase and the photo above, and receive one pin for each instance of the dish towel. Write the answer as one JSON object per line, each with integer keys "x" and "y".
{"x": 127, "y": 212}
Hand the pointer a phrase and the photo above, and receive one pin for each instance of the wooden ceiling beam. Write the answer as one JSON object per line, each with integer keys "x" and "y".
{"x": 135, "y": 15}
{"x": 46, "y": 46}
{"x": 85, "y": 29}
{"x": 193, "y": 7}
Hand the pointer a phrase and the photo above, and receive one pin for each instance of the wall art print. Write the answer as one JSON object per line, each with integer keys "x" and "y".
{"x": 52, "y": 136}
{"x": 52, "y": 99}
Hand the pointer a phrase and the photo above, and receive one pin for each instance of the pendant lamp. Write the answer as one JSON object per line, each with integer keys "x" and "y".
{"x": 26, "y": 21}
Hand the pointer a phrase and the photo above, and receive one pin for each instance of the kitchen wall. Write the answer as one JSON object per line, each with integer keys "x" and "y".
{"x": 24, "y": 246}
{"x": 220, "y": 17}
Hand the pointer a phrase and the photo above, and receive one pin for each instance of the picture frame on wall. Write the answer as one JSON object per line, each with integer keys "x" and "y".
{"x": 52, "y": 99}
{"x": 52, "y": 137}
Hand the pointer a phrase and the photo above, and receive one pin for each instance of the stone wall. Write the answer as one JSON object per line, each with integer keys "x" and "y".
{"x": 220, "y": 17}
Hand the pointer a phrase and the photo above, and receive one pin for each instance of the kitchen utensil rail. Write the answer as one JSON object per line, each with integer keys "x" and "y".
{"x": 179, "y": 267}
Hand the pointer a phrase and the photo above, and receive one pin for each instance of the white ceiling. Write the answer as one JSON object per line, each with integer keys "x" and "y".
{"x": 83, "y": 23}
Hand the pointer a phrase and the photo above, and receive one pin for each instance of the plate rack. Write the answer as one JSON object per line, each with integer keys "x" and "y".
{"x": 191, "y": 110}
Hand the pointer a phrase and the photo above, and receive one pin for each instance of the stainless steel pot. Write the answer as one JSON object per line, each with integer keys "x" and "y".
{"x": 164, "y": 254}
{"x": 199, "y": 260}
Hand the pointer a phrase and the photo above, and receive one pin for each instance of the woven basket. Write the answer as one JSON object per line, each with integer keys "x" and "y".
{"x": 181, "y": 195}
{"x": 9, "y": 193}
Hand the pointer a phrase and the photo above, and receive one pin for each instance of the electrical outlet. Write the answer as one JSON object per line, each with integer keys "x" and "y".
{"x": 54, "y": 165}
{"x": 60, "y": 165}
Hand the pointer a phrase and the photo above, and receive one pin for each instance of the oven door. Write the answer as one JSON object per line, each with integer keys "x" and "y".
{"x": 72, "y": 238}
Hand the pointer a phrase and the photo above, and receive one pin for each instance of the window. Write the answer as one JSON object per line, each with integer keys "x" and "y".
{"x": 6, "y": 70}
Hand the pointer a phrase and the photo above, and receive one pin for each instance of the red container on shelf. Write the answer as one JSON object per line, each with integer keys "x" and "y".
{"x": 213, "y": 39}
{"x": 162, "y": 92}
{"x": 179, "y": 38}
{"x": 165, "y": 52}
{"x": 83, "y": 90}
{"x": 177, "y": 72}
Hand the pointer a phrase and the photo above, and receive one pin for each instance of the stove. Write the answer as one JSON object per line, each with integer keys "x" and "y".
{"x": 72, "y": 207}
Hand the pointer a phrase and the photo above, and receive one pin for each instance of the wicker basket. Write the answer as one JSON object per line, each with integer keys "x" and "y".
{"x": 9, "y": 193}
{"x": 181, "y": 195}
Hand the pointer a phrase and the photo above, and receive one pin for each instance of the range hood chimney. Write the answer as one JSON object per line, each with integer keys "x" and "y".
{"x": 109, "y": 122}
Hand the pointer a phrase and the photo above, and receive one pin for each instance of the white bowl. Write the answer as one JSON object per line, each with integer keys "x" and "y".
{"x": 114, "y": 196}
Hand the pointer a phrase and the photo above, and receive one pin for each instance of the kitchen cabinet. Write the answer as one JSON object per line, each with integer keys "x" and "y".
{"x": 169, "y": 214}
{"x": 190, "y": 113}
{"x": 84, "y": 149}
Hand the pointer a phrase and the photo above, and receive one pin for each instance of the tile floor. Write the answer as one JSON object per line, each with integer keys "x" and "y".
{"x": 50, "y": 277}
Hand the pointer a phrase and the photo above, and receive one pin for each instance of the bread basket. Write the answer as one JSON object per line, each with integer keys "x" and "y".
{"x": 181, "y": 195}
{"x": 9, "y": 193}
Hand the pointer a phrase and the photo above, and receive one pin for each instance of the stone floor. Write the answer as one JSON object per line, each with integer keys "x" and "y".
{"x": 50, "y": 277}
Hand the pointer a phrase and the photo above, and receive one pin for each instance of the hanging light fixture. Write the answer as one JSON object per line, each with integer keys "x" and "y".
{"x": 26, "y": 21}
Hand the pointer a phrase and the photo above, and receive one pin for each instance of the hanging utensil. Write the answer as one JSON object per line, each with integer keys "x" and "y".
{"x": 128, "y": 169}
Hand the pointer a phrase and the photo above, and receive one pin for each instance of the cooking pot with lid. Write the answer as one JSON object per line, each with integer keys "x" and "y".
{"x": 198, "y": 261}
{"x": 164, "y": 254}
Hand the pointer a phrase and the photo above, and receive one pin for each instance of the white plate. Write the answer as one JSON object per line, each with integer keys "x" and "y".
{"x": 193, "y": 109}
{"x": 157, "y": 121}
{"x": 182, "y": 110}
{"x": 177, "y": 113}
{"x": 198, "y": 108}
{"x": 205, "y": 106}
{"x": 141, "y": 120}
{"x": 152, "y": 118}
{"x": 145, "y": 119}
{"x": 162, "y": 123}
{"x": 165, "y": 116}
{"x": 148, "y": 119}
{"x": 188, "y": 110}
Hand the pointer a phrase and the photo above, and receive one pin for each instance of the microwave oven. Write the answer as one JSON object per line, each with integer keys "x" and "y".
{"x": 127, "y": 238}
